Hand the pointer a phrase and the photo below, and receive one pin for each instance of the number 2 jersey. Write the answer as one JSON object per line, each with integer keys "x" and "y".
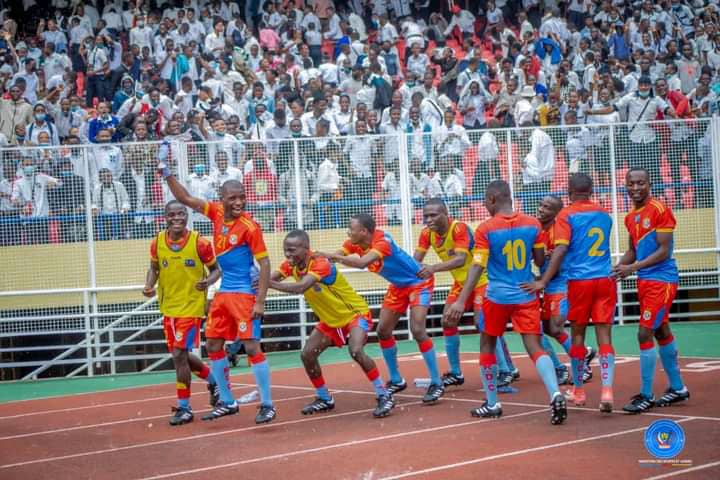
{"x": 584, "y": 227}
{"x": 504, "y": 246}
{"x": 236, "y": 244}
{"x": 644, "y": 224}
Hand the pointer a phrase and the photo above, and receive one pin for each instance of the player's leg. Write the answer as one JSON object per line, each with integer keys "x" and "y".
{"x": 644, "y": 400}
{"x": 418, "y": 319}
{"x": 492, "y": 323}
{"x": 356, "y": 346}
{"x": 603, "y": 314}
{"x": 201, "y": 370}
{"x": 677, "y": 391}
{"x": 218, "y": 328}
{"x": 183, "y": 377}
{"x": 261, "y": 371}
{"x": 386, "y": 325}
{"x": 577, "y": 362}
{"x": 317, "y": 343}
{"x": 452, "y": 346}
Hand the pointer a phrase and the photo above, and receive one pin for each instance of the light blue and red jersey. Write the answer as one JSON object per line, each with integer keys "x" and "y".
{"x": 644, "y": 224}
{"x": 584, "y": 227}
{"x": 237, "y": 244}
{"x": 394, "y": 264}
{"x": 504, "y": 246}
{"x": 559, "y": 282}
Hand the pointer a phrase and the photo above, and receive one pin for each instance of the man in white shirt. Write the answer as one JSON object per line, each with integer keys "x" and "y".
{"x": 464, "y": 20}
{"x": 451, "y": 140}
{"x": 215, "y": 41}
{"x": 334, "y": 31}
{"x": 106, "y": 156}
{"x": 310, "y": 119}
{"x": 223, "y": 171}
{"x": 142, "y": 35}
{"x": 538, "y": 166}
{"x": 29, "y": 195}
{"x": 110, "y": 204}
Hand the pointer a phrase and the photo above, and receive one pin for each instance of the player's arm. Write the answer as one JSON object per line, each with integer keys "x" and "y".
{"x": 177, "y": 189}
{"x": 213, "y": 276}
{"x": 555, "y": 262}
{"x": 457, "y": 261}
{"x": 295, "y": 288}
{"x": 457, "y": 309}
{"x": 263, "y": 284}
{"x": 207, "y": 255}
{"x": 356, "y": 261}
{"x": 151, "y": 279}
{"x": 664, "y": 240}
{"x": 622, "y": 269}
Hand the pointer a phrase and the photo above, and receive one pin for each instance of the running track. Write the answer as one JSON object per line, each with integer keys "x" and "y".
{"x": 124, "y": 434}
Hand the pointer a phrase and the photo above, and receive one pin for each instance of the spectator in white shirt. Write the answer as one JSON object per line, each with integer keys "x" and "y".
{"x": 451, "y": 140}
{"x": 417, "y": 62}
{"x": 391, "y": 193}
{"x": 30, "y": 196}
{"x": 111, "y": 205}
{"x": 538, "y": 166}
{"x": 464, "y": 21}
{"x": 106, "y": 156}
{"x": 359, "y": 149}
{"x": 223, "y": 171}
{"x": 215, "y": 42}
{"x": 141, "y": 35}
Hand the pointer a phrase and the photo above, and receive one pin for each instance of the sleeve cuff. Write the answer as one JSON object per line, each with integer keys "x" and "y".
{"x": 664, "y": 230}
{"x": 377, "y": 251}
{"x": 562, "y": 242}
{"x": 260, "y": 256}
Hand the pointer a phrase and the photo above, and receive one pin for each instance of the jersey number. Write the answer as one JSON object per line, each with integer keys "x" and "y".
{"x": 595, "y": 249}
{"x": 515, "y": 254}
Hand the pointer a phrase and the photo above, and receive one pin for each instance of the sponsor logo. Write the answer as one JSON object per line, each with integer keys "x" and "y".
{"x": 664, "y": 439}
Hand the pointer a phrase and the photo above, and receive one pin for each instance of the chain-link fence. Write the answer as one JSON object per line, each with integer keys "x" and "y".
{"x": 77, "y": 221}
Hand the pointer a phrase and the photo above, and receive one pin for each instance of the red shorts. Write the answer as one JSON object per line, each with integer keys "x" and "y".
{"x": 182, "y": 332}
{"x": 398, "y": 299}
{"x": 656, "y": 298}
{"x": 340, "y": 335}
{"x": 554, "y": 305}
{"x": 230, "y": 317}
{"x": 594, "y": 299}
{"x": 474, "y": 301}
{"x": 525, "y": 317}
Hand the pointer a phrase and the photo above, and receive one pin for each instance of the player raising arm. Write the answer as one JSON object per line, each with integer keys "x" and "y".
{"x": 178, "y": 259}
{"x": 344, "y": 318}
{"x": 237, "y": 308}
{"x": 505, "y": 245}
{"x": 582, "y": 249}
{"x": 452, "y": 241}
{"x": 375, "y": 250}
{"x": 650, "y": 255}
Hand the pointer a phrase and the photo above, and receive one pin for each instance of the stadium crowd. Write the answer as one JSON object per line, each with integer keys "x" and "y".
{"x": 241, "y": 82}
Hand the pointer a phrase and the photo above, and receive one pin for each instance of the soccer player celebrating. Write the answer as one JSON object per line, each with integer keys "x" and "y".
{"x": 237, "y": 308}
{"x": 344, "y": 318}
{"x": 651, "y": 225}
{"x": 554, "y": 301}
{"x": 452, "y": 241}
{"x": 178, "y": 259}
{"x": 376, "y": 250}
{"x": 582, "y": 249}
{"x": 504, "y": 245}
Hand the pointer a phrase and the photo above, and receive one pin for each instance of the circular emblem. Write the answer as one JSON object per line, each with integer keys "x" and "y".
{"x": 242, "y": 327}
{"x": 233, "y": 239}
{"x": 664, "y": 439}
{"x": 647, "y": 315}
{"x": 178, "y": 336}
{"x": 175, "y": 247}
{"x": 646, "y": 222}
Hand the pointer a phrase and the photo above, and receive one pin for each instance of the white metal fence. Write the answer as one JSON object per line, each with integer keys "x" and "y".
{"x": 76, "y": 228}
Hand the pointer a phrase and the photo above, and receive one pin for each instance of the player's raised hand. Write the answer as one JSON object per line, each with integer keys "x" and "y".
{"x": 149, "y": 292}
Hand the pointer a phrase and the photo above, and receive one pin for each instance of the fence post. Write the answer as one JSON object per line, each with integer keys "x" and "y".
{"x": 88, "y": 333}
{"x": 92, "y": 274}
{"x": 406, "y": 207}
{"x": 299, "y": 206}
{"x": 617, "y": 224}
{"x": 182, "y": 171}
{"x": 511, "y": 175}
{"x": 714, "y": 131}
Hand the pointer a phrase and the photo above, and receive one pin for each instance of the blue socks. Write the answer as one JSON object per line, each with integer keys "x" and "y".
{"x": 546, "y": 370}
{"x": 389, "y": 351}
{"x": 648, "y": 359}
{"x": 452, "y": 349}
{"x": 607, "y": 364}
{"x": 577, "y": 363}
{"x": 220, "y": 369}
{"x": 428, "y": 352}
{"x": 488, "y": 372}
{"x": 547, "y": 346}
{"x": 261, "y": 371}
{"x": 500, "y": 358}
{"x": 668, "y": 357}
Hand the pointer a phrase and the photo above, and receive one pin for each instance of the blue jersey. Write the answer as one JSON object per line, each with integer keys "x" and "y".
{"x": 644, "y": 224}
{"x": 585, "y": 228}
{"x": 394, "y": 264}
{"x": 504, "y": 246}
{"x": 558, "y": 284}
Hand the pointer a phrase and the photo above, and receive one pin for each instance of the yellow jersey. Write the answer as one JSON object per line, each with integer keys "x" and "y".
{"x": 332, "y": 298}
{"x": 459, "y": 238}
{"x": 181, "y": 265}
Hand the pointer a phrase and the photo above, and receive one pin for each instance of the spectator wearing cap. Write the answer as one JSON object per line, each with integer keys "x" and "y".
{"x": 637, "y": 108}
{"x": 14, "y": 112}
{"x": 524, "y": 110}
{"x": 462, "y": 25}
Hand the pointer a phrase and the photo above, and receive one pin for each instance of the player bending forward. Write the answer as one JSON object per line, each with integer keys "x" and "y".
{"x": 651, "y": 227}
{"x": 504, "y": 245}
{"x": 344, "y": 318}
{"x": 236, "y": 310}
{"x": 178, "y": 259}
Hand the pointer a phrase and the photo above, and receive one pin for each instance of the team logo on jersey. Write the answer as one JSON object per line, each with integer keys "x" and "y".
{"x": 647, "y": 314}
{"x": 242, "y": 326}
{"x": 175, "y": 247}
{"x": 225, "y": 230}
{"x": 233, "y": 239}
{"x": 646, "y": 223}
{"x": 178, "y": 336}
{"x": 189, "y": 262}
{"x": 165, "y": 263}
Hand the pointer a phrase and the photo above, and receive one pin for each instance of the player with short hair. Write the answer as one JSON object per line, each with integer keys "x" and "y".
{"x": 374, "y": 249}
{"x": 344, "y": 318}
{"x": 650, "y": 255}
{"x": 178, "y": 261}
{"x": 504, "y": 245}
{"x": 452, "y": 241}
{"x": 582, "y": 251}
{"x": 554, "y": 298}
{"x": 237, "y": 308}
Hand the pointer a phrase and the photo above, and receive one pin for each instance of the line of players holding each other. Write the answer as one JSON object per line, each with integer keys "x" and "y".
{"x": 493, "y": 277}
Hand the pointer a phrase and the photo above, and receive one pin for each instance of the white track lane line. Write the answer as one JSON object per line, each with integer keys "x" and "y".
{"x": 134, "y": 419}
{"x": 341, "y": 445}
{"x": 188, "y": 438}
{"x": 513, "y": 453}
{"x": 683, "y": 471}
